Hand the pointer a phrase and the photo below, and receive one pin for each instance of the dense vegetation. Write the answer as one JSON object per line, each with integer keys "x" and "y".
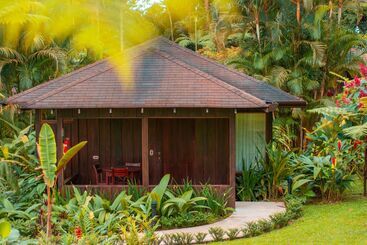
{"x": 312, "y": 49}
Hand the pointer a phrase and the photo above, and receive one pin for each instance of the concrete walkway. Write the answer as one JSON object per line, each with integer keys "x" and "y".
{"x": 245, "y": 212}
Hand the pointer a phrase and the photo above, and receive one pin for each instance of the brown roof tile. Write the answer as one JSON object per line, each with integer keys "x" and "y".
{"x": 165, "y": 75}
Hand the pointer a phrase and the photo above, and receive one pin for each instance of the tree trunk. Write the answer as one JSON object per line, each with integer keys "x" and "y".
{"x": 298, "y": 14}
{"x": 340, "y": 7}
{"x": 257, "y": 21}
{"x": 170, "y": 25}
{"x": 49, "y": 210}
{"x": 207, "y": 10}
{"x": 330, "y": 9}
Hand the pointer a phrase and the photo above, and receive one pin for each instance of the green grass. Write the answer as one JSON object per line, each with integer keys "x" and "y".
{"x": 337, "y": 223}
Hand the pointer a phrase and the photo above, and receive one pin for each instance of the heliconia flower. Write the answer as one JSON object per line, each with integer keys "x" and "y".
{"x": 333, "y": 162}
{"x": 78, "y": 232}
{"x": 337, "y": 103}
{"x": 346, "y": 101}
{"x": 356, "y": 143}
{"x": 363, "y": 69}
{"x": 339, "y": 145}
{"x": 357, "y": 81}
{"x": 362, "y": 94}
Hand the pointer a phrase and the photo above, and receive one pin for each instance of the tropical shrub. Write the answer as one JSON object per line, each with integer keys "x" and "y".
{"x": 249, "y": 185}
{"x": 187, "y": 220}
{"x": 276, "y": 170}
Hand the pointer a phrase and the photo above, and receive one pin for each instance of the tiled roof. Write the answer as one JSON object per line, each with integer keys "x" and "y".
{"x": 160, "y": 74}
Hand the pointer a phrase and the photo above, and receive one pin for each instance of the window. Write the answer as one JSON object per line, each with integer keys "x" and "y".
{"x": 250, "y": 138}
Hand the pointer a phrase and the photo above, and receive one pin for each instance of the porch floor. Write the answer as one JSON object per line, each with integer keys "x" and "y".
{"x": 245, "y": 212}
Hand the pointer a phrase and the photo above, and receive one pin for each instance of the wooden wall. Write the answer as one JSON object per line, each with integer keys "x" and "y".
{"x": 195, "y": 148}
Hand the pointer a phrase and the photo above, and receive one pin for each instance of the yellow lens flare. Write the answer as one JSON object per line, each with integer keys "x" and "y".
{"x": 105, "y": 28}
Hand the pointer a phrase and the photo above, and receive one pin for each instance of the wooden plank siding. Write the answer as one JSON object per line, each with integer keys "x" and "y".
{"x": 194, "y": 148}
{"x": 194, "y": 144}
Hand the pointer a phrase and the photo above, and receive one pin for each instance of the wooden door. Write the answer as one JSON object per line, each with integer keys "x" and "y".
{"x": 155, "y": 151}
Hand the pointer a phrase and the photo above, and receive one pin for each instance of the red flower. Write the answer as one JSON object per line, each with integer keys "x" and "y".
{"x": 333, "y": 162}
{"x": 339, "y": 145}
{"x": 362, "y": 94}
{"x": 363, "y": 69}
{"x": 78, "y": 232}
{"x": 357, "y": 81}
{"x": 356, "y": 143}
{"x": 330, "y": 93}
{"x": 349, "y": 84}
{"x": 360, "y": 105}
{"x": 337, "y": 103}
{"x": 346, "y": 101}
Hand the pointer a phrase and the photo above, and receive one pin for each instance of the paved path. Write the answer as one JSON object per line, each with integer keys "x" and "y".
{"x": 245, "y": 212}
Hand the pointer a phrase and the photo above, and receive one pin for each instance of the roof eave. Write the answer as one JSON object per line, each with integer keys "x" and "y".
{"x": 299, "y": 104}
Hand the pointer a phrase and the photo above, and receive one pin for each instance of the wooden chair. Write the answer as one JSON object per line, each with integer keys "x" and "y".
{"x": 119, "y": 173}
{"x": 97, "y": 170}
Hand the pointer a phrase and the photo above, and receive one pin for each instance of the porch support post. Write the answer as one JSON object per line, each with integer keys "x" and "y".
{"x": 37, "y": 122}
{"x": 232, "y": 160}
{"x": 145, "y": 150}
{"x": 59, "y": 145}
{"x": 269, "y": 127}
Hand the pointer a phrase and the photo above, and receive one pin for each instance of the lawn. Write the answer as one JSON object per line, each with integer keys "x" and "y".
{"x": 338, "y": 223}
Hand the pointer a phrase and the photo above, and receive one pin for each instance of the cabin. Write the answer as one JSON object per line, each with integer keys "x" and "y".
{"x": 165, "y": 109}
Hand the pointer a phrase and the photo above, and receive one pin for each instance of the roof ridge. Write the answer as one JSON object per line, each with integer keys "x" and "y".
{"x": 219, "y": 82}
{"x": 56, "y": 79}
{"x": 69, "y": 85}
{"x": 221, "y": 65}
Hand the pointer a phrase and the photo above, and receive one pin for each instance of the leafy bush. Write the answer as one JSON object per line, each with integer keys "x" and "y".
{"x": 249, "y": 185}
{"x": 216, "y": 202}
{"x": 217, "y": 233}
{"x": 232, "y": 233}
{"x": 200, "y": 237}
{"x": 187, "y": 220}
{"x": 318, "y": 175}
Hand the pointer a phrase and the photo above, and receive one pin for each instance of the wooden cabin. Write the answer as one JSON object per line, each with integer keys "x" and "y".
{"x": 167, "y": 110}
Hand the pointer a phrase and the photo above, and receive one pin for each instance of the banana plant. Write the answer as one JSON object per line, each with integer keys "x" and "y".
{"x": 46, "y": 148}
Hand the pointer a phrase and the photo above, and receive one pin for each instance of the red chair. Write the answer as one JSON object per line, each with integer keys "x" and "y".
{"x": 120, "y": 173}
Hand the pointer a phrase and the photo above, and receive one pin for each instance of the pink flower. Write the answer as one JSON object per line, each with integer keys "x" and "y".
{"x": 362, "y": 94}
{"x": 337, "y": 102}
{"x": 346, "y": 101}
{"x": 363, "y": 69}
{"x": 357, "y": 81}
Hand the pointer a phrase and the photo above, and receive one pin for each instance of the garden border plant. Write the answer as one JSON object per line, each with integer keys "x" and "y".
{"x": 294, "y": 210}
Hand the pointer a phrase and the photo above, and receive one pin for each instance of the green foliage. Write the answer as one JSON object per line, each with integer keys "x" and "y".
{"x": 187, "y": 220}
{"x": 232, "y": 233}
{"x": 217, "y": 233}
{"x": 319, "y": 175}
{"x": 5, "y": 229}
{"x": 200, "y": 237}
{"x": 216, "y": 202}
{"x": 275, "y": 169}
{"x": 248, "y": 186}
{"x": 185, "y": 203}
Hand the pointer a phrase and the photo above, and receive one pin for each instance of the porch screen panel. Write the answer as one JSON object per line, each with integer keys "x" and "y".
{"x": 250, "y": 136}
